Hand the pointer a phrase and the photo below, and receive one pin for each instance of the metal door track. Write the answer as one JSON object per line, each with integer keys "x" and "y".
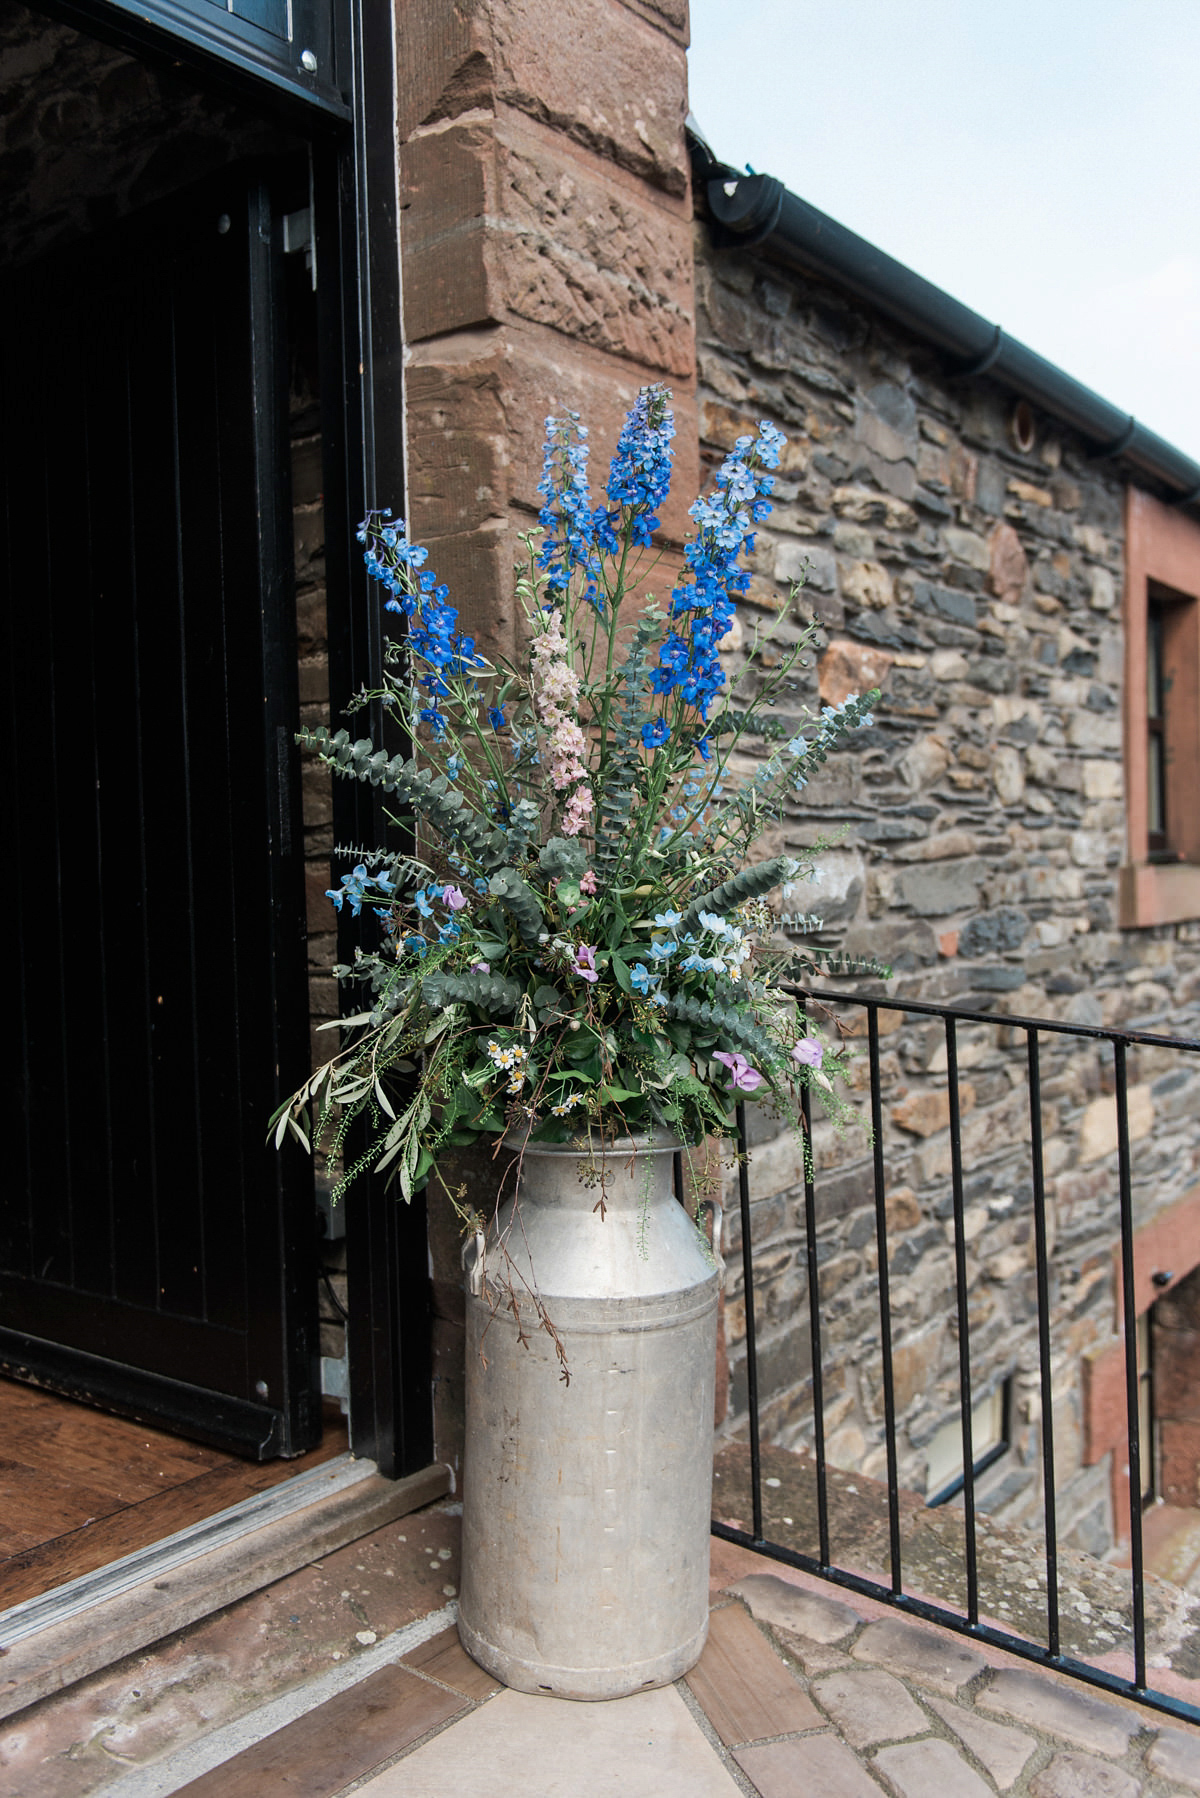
{"x": 173, "y": 1552}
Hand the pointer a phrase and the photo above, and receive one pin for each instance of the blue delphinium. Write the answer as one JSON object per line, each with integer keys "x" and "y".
{"x": 389, "y": 556}
{"x": 640, "y": 474}
{"x": 655, "y": 734}
{"x": 566, "y": 515}
{"x": 414, "y": 590}
{"x": 703, "y": 602}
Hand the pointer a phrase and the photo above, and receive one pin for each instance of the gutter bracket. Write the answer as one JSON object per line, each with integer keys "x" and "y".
{"x": 982, "y": 363}
{"x": 1111, "y": 451}
{"x": 761, "y": 215}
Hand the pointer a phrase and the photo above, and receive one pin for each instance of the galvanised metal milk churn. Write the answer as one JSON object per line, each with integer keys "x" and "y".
{"x": 586, "y": 1505}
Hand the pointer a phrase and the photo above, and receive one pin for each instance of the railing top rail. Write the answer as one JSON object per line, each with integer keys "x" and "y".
{"x": 921, "y": 1008}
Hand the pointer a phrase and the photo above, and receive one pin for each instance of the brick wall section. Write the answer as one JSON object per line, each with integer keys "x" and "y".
{"x": 980, "y": 588}
{"x": 1175, "y": 1331}
{"x": 547, "y": 258}
{"x": 308, "y": 519}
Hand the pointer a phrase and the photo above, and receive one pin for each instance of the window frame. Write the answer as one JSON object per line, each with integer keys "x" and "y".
{"x": 991, "y": 1438}
{"x": 1160, "y": 884}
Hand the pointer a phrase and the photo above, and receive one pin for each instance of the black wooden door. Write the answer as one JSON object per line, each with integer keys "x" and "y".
{"x": 155, "y": 1255}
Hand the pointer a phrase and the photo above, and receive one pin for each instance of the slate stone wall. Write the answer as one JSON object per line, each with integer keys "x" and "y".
{"x": 980, "y": 587}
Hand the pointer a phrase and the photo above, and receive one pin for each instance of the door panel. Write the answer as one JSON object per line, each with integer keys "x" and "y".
{"x": 154, "y": 1253}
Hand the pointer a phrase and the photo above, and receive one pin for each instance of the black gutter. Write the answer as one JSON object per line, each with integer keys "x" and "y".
{"x": 758, "y": 212}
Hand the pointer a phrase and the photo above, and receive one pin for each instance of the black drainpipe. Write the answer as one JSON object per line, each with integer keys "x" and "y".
{"x": 757, "y": 211}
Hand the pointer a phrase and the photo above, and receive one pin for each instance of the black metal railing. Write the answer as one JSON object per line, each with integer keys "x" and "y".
{"x": 939, "y": 1607}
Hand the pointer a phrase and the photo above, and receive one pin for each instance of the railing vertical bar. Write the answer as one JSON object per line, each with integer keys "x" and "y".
{"x": 751, "y": 1342}
{"x": 814, "y": 1322}
{"x": 964, "y": 1328}
{"x": 1042, "y": 1268}
{"x": 885, "y": 1304}
{"x": 1129, "y": 1308}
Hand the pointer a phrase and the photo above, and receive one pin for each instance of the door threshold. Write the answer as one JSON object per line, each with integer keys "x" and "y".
{"x": 90, "y": 1589}
{"x": 61, "y": 1636}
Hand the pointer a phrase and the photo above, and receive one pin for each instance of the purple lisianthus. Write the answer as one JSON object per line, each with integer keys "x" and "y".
{"x": 745, "y": 1078}
{"x": 454, "y": 897}
{"x": 585, "y": 962}
{"x": 808, "y": 1052}
{"x": 481, "y": 967}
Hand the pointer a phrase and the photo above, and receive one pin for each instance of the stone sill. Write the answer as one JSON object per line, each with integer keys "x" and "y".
{"x": 1158, "y": 893}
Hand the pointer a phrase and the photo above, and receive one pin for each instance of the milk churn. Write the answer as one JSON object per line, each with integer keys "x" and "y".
{"x": 586, "y": 1501}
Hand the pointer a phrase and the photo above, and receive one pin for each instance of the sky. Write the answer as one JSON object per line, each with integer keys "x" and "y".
{"x": 1037, "y": 159}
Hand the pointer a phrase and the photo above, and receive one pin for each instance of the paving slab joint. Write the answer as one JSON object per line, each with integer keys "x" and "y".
{"x": 714, "y": 1741}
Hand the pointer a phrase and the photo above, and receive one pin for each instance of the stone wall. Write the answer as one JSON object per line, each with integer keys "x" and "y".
{"x": 979, "y": 586}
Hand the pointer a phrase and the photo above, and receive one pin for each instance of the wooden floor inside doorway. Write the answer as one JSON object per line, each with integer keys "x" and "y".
{"x": 80, "y": 1489}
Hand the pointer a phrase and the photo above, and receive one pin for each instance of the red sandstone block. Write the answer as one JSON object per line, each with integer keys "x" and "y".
{"x": 477, "y": 411}
{"x": 1177, "y": 1374}
{"x": 604, "y": 77}
{"x": 1103, "y": 1401}
{"x": 592, "y": 253}
{"x": 1170, "y": 1243}
{"x": 447, "y": 187}
{"x": 595, "y": 70}
{"x": 444, "y": 62}
{"x": 669, "y": 15}
{"x": 477, "y": 566}
{"x": 458, "y": 461}
{"x": 509, "y": 221}
{"x": 1180, "y": 1450}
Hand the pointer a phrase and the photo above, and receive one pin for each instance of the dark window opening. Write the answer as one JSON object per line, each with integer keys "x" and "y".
{"x": 1172, "y": 642}
{"x": 1156, "y": 749}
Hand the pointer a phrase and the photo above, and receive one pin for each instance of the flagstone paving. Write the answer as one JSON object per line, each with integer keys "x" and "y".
{"x": 799, "y": 1694}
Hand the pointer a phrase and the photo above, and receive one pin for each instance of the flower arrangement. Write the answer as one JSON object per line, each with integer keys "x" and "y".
{"x": 579, "y": 945}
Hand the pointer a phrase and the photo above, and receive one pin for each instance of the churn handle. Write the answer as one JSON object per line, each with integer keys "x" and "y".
{"x": 473, "y": 1267}
{"x": 718, "y": 1228}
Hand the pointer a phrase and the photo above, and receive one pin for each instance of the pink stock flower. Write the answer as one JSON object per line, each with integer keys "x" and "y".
{"x": 587, "y": 882}
{"x": 454, "y": 897}
{"x": 808, "y": 1052}
{"x": 745, "y": 1078}
{"x": 585, "y": 962}
{"x": 579, "y": 810}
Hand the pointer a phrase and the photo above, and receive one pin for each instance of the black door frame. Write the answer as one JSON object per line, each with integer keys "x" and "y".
{"x": 351, "y": 134}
